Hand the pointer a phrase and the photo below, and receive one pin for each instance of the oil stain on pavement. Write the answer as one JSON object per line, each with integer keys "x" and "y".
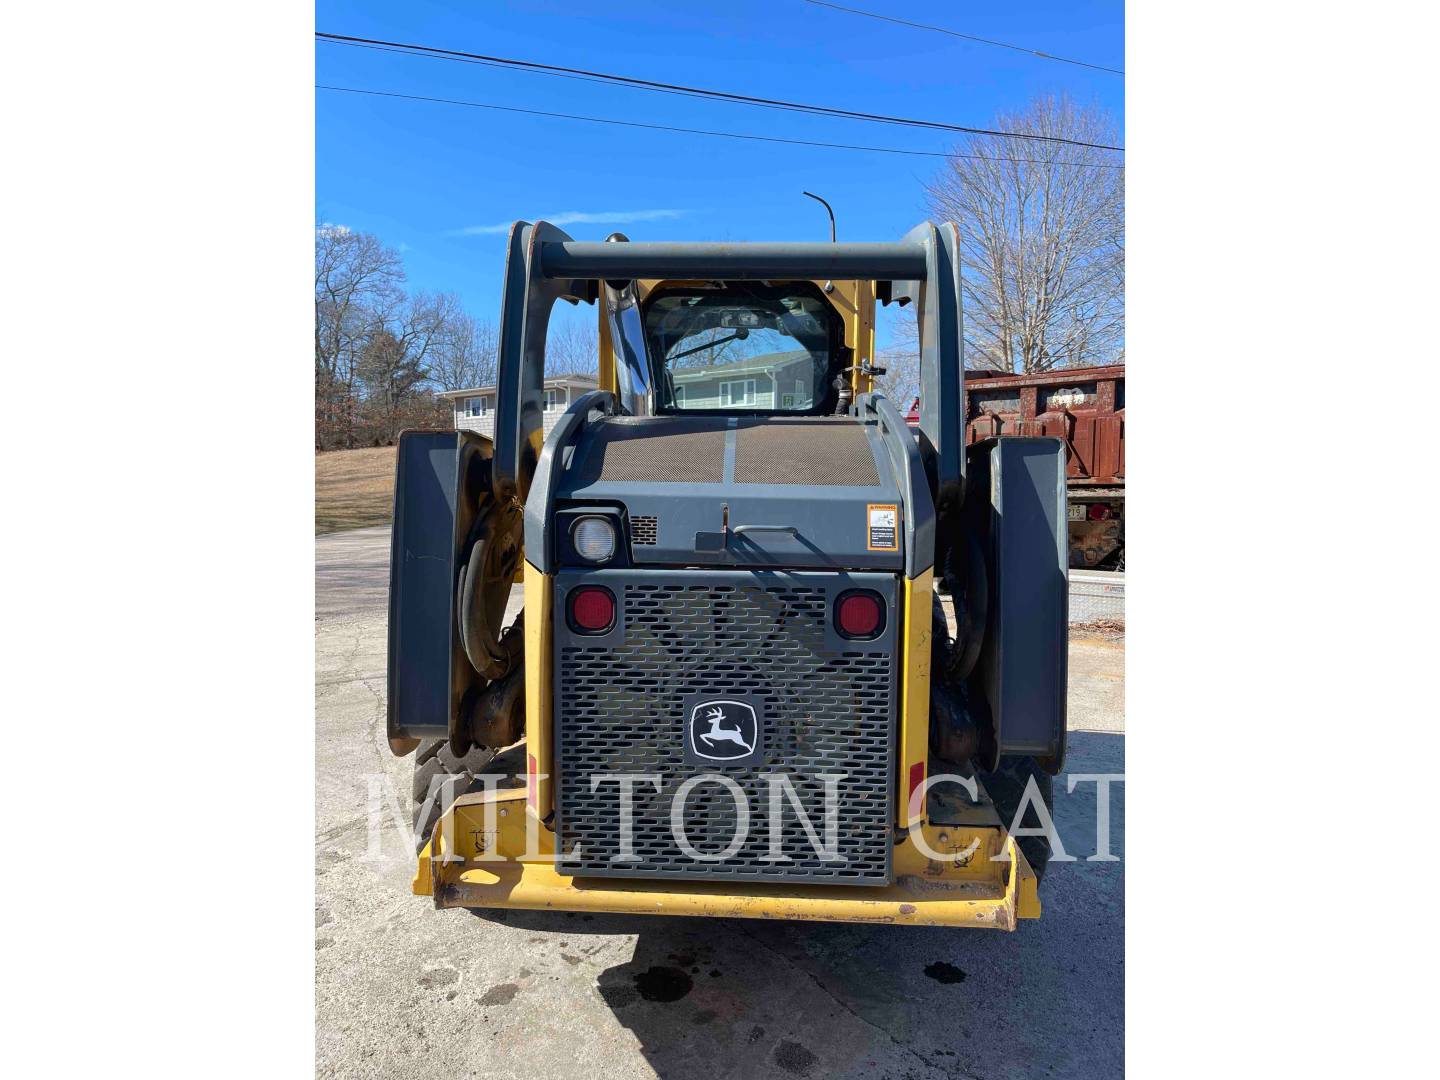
{"x": 942, "y": 972}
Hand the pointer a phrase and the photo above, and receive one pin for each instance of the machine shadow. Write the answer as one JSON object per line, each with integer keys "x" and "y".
{"x": 753, "y": 998}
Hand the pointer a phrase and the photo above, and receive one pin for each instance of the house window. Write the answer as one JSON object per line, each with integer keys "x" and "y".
{"x": 738, "y": 393}
{"x": 554, "y": 399}
{"x": 477, "y": 406}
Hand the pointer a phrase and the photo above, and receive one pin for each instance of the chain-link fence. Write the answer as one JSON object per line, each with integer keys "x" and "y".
{"x": 1097, "y": 596}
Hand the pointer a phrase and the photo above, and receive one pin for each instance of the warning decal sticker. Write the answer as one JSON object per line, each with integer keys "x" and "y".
{"x": 883, "y": 527}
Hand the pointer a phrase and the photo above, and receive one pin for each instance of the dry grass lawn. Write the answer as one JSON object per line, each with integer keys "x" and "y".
{"x": 354, "y": 488}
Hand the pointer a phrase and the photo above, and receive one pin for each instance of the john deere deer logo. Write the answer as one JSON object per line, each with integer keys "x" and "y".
{"x": 715, "y": 717}
{"x": 723, "y": 731}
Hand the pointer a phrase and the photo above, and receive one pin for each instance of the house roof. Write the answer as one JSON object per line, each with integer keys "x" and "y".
{"x": 589, "y": 381}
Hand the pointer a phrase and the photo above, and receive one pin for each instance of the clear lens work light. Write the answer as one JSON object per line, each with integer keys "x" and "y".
{"x": 594, "y": 539}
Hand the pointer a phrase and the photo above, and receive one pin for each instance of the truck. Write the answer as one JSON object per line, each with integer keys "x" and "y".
{"x": 1084, "y": 407}
{"x": 733, "y": 688}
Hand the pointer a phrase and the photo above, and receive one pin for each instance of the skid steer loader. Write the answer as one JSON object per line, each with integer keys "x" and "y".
{"x": 734, "y": 689}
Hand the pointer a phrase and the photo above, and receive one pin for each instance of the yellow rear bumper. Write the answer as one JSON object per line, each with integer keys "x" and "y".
{"x": 479, "y": 857}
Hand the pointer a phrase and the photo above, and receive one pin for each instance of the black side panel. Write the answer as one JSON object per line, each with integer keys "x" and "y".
{"x": 421, "y": 546}
{"x": 909, "y": 471}
{"x": 1017, "y": 502}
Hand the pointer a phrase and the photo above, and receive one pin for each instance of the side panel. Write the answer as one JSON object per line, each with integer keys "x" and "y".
{"x": 909, "y": 473}
{"x": 418, "y": 677}
{"x": 1018, "y": 504}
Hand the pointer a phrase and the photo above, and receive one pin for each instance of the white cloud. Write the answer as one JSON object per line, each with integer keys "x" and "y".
{"x": 327, "y": 227}
{"x": 579, "y": 217}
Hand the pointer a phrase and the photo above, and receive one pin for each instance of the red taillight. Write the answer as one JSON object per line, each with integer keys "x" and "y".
{"x": 592, "y": 609}
{"x": 1098, "y": 512}
{"x": 859, "y": 615}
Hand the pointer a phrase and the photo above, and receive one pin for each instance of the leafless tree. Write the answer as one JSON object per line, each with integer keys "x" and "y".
{"x": 1042, "y": 231}
{"x": 382, "y": 353}
{"x": 356, "y": 277}
{"x": 395, "y": 363}
{"x": 466, "y": 354}
{"x": 901, "y": 361}
{"x": 572, "y": 347}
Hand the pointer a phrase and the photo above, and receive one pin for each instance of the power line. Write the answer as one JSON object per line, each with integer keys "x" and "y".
{"x": 693, "y": 91}
{"x": 967, "y": 37}
{"x": 703, "y": 131}
{"x": 701, "y": 95}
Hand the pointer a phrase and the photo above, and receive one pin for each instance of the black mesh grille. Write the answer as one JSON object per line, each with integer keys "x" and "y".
{"x": 829, "y": 452}
{"x": 674, "y": 450}
{"x": 826, "y": 708}
{"x": 643, "y": 529}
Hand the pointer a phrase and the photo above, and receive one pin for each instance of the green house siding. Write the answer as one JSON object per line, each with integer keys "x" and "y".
{"x": 706, "y": 393}
{"x": 769, "y": 383}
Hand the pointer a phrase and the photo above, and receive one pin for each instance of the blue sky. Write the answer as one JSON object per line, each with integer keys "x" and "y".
{"x": 442, "y": 182}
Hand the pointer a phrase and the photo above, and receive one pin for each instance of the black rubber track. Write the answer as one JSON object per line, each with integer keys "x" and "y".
{"x": 430, "y": 794}
{"x": 1006, "y": 787}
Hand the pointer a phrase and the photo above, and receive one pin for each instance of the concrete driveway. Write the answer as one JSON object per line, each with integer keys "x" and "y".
{"x": 405, "y": 990}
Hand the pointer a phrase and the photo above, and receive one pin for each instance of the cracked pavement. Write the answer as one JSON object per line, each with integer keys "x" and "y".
{"x": 405, "y": 990}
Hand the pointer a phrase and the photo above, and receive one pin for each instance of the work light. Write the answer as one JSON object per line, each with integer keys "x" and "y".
{"x": 594, "y": 539}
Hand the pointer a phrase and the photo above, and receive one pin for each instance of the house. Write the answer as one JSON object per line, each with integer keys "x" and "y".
{"x": 783, "y": 380}
{"x": 475, "y": 407}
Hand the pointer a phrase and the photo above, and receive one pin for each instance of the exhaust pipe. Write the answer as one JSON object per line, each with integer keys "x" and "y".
{"x": 627, "y": 335}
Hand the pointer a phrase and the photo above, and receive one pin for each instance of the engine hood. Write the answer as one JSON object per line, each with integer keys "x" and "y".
{"x": 801, "y": 492}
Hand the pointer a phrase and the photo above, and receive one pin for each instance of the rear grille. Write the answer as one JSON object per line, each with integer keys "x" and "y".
{"x": 827, "y": 706}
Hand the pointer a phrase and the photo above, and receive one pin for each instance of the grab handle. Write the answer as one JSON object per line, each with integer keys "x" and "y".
{"x": 740, "y": 530}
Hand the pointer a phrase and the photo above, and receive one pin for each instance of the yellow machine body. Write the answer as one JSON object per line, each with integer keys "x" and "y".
{"x": 487, "y": 851}
{"x": 496, "y": 849}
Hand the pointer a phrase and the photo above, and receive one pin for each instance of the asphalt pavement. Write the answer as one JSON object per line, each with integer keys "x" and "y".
{"x": 404, "y": 990}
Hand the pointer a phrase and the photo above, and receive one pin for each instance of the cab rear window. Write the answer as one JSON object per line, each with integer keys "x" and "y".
{"x": 743, "y": 348}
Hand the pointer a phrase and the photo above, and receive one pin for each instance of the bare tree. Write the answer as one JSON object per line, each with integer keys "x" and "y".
{"x": 356, "y": 276}
{"x": 381, "y": 352}
{"x": 901, "y": 361}
{"x": 465, "y": 356}
{"x": 1042, "y": 232}
{"x": 572, "y": 347}
{"x": 396, "y": 361}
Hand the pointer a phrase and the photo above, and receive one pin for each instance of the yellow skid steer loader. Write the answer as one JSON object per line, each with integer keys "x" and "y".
{"x": 734, "y": 689}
